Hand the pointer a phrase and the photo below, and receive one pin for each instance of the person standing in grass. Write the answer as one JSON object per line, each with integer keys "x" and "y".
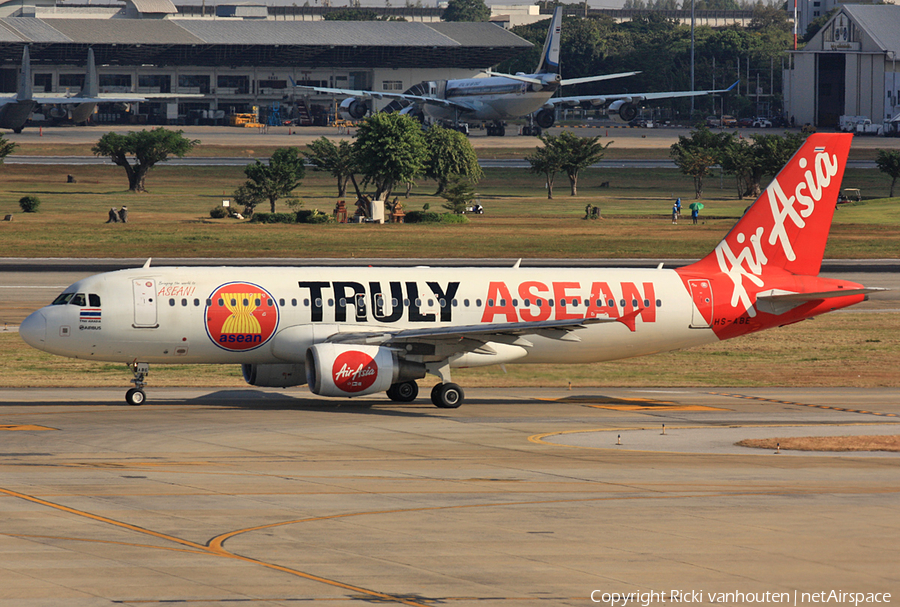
{"x": 675, "y": 213}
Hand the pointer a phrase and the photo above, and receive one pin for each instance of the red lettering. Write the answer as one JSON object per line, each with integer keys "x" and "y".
{"x": 646, "y": 303}
{"x": 560, "y": 292}
{"x": 528, "y": 290}
{"x": 601, "y": 296}
{"x": 499, "y": 302}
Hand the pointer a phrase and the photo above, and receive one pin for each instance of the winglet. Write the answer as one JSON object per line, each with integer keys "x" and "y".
{"x": 147, "y": 263}
{"x": 736, "y": 82}
{"x": 517, "y": 264}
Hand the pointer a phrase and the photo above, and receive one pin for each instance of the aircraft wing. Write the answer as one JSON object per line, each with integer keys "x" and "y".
{"x": 468, "y": 338}
{"x": 380, "y": 95}
{"x": 632, "y": 97}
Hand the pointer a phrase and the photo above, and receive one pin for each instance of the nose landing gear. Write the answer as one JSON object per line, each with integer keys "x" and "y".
{"x": 136, "y": 396}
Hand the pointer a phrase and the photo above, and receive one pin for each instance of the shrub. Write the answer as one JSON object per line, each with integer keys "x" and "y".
{"x": 423, "y": 217}
{"x": 453, "y": 218}
{"x": 315, "y": 216}
{"x": 429, "y": 217}
{"x": 274, "y": 218}
{"x": 29, "y": 204}
{"x": 218, "y": 213}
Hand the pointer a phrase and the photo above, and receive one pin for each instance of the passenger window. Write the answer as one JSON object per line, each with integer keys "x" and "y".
{"x": 172, "y": 301}
{"x": 94, "y": 299}
{"x": 196, "y": 303}
{"x": 184, "y": 303}
{"x": 78, "y": 300}
{"x": 294, "y": 302}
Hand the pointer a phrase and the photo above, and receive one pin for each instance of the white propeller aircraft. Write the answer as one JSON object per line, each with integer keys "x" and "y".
{"x": 353, "y": 331}
{"x": 16, "y": 108}
{"x": 500, "y": 97}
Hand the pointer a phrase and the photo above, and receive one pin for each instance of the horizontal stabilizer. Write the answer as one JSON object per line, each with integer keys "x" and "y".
{"x": 781, "y": 302}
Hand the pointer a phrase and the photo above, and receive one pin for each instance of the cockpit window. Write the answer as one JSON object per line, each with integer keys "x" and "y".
{"x": 63, "y": 299}
{"x": 78, "y": 300}
{"x": 94, "y": 300}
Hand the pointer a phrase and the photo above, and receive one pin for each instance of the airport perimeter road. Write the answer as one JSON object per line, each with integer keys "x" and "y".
{"x": 265, "y": 497}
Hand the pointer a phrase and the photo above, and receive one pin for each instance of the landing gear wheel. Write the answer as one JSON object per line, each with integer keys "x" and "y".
{"x": 135, "y": 397}
{"x": 447, "y": 396}
{"x": 404, "y": 392}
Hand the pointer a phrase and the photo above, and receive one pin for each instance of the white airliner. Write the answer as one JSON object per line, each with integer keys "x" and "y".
{"x": 352, "y": 331}
{"x": 500, "y": 97}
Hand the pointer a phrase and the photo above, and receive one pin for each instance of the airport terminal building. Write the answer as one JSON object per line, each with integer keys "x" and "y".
{"x": 232, "y": 65}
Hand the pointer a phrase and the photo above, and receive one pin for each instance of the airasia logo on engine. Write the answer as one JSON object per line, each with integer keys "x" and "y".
{"x": 354, "y": 371}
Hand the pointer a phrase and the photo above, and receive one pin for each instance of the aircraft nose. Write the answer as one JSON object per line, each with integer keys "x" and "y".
{"x": 33, "y": 329}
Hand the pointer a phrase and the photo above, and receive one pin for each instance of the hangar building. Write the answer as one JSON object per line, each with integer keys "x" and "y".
{"x": 233, "y": 65}
{"x": 850, "y": 67}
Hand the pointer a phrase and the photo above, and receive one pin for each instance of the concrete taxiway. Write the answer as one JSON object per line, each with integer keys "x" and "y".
{"x": 274, "y": 497}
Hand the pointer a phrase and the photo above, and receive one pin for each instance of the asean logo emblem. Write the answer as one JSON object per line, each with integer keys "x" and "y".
{"x": 241, "y": 316}
{"x": 354, "y": 371}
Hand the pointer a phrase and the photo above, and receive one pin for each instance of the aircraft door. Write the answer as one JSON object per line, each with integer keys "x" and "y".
{"x": 145, "y": 316}
{"x": 702, "y": 310}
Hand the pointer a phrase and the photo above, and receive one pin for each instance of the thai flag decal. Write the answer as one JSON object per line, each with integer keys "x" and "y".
{"x": 89, "y": 315}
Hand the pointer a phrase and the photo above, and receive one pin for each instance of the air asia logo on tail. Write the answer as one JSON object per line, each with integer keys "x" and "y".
{"x": 354, "y": 371}
{"x": 785, "y": 231}
{"x": 241, "y": 316}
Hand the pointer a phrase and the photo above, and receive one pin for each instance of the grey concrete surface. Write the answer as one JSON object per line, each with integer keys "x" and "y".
{"x": 266, "y": 497}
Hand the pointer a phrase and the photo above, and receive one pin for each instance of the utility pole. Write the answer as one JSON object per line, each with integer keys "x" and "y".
{"x": 692, "y": 58}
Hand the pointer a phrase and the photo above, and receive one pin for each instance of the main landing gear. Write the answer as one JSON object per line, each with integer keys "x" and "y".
{"x": 405, "y": 392}
{"x": 447, "y": 396}
{"x": 443, "y": 395}
{"x": 496, "y": 129}
{"x": 136, "y": 395}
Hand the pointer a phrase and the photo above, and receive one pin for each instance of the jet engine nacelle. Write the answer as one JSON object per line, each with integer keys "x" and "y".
{"x": 350, "y": 370}
{"x": 414, "y": 111}
{"x": 622, "y": 111}
{"x": 274, "y": 376}
{"x": 545, "y": 118}
{"x": 353, "y": 108}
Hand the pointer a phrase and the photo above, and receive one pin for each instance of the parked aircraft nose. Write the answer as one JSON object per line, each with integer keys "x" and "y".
{"x": 34, "y": 330}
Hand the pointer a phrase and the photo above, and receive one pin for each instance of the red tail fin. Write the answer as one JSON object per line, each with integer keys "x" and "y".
{"x": 787, "y": 227}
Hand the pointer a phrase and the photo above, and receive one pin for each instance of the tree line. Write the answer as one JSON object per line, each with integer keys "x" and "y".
{"x": 661, "y": 49}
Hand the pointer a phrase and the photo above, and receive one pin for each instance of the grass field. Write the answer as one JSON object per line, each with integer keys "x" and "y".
{"x": 841, "y": 349}
{"x": 172, "y": 220}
